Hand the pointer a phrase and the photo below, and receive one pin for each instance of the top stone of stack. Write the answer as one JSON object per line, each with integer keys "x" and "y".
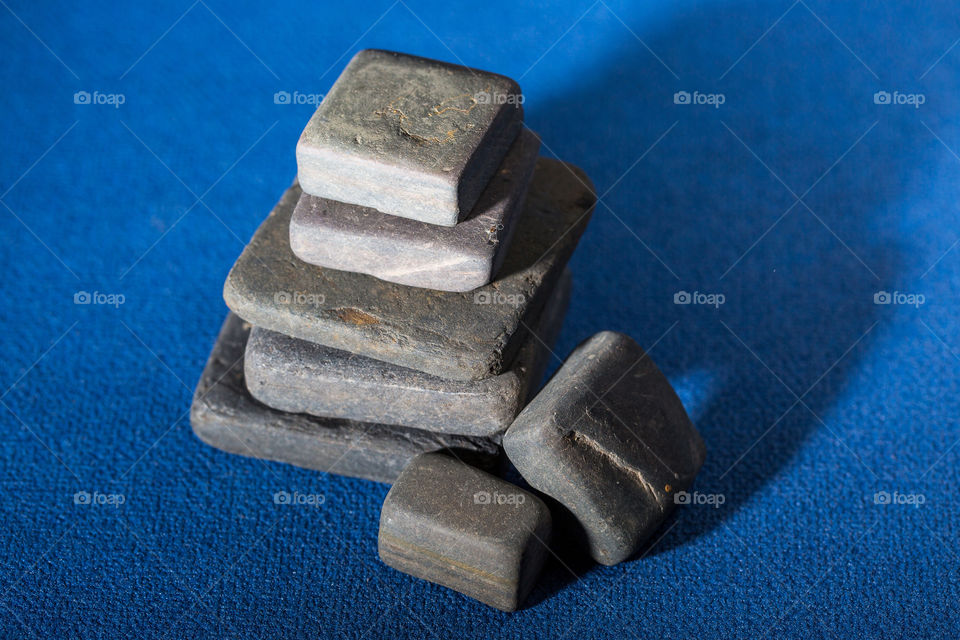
{"x": 408, "y": 136}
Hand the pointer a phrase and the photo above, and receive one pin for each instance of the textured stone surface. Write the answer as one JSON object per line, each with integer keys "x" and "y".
{"x": 449, "y": 523}
{"x": 224, "y": 415}
{"x": 460, "y": 336}
{"x": 609, "y": 439}
{"x": 304, "y": 377}
{"x": 333, "y": 234}
{"x": 409, "y": 136}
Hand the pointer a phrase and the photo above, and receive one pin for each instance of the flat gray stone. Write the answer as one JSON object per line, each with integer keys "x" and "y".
{"x": 459, "y": 336}
{"x": 449, "y": 523}
{"x": 609, "y": 439}
{"x": 333, "y": 234}
{"x": 409, "y": 136}
{"x": 225, "y": 416}
{"x": 304, "y": 377}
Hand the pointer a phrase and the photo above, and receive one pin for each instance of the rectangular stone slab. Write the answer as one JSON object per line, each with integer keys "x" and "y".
{"x": 334, "y": 234}
{"x": 449, "y": 523}
{"x": 303, "y": 377}
{"x": 225, "y": 416}
{"x": 459, "y": 336}
{"x": 409, "y": 136}
{"x": 609, "y": 439}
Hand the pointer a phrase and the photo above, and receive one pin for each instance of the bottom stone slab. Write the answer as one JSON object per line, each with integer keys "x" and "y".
{"x": 226, "y": 416}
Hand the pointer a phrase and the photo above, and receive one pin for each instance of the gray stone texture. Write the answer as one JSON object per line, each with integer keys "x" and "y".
{"x": 225, "y": 416}
{"x": 303, "y": 377}
{"x": 449, "y": 523}
{"x": 459, "y": 336}
{"x": 409, "y": 136}
{"x": 609, "y": 439}
{"x": 337, "y": 235}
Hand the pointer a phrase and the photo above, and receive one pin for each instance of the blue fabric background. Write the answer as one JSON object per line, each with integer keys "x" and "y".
{"x": 799, "y": 198}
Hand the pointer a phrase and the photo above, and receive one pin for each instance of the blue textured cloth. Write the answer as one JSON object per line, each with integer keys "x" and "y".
{"x": 811, "y": 165}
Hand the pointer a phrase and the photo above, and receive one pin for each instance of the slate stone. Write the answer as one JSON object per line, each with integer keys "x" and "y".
{"x": 609, "y": 439}
{"x": 409, "y": 136}
{"x": 304, "y": 377}
{"x": 225, "y": 416}
{"x": 459, "y": 336}
{"x": 449, "y": 523}
{"x": 333, "y": 234}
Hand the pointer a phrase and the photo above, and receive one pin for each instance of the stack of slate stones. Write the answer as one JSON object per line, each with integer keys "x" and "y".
{"x": 395, "y": 312}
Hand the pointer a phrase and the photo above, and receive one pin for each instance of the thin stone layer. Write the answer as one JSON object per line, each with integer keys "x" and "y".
{"x": 337, "y": 235}
{"x": 459, "y": 336}
{"x": 609, "y": 439}
{"x": 225, "y": 416}
{"x": 303, "y": 377}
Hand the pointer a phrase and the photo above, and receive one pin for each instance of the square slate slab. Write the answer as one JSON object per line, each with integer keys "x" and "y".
{"x": 333, "y": 234}
{"x": 609, "y": 439}
{"x": 459, "y": 336}
{"x": 225, "y": 416}
{"x": 304, "y": 377}
{"x": 409, "y": 136}
{"x": 449, "y": 523}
